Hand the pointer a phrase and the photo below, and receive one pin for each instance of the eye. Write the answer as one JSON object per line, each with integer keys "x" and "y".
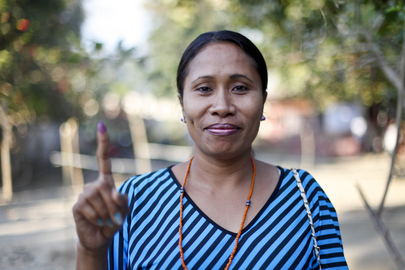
{"x": 204, "y": 89}
{"x": 240, "y": 88}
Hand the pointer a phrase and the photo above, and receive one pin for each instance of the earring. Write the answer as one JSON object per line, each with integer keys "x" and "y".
{"x": 263, "y": 118}
{"x": 183, "y": 119}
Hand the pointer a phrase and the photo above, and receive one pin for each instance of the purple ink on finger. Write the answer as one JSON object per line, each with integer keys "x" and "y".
{"x": 101, "y": 127}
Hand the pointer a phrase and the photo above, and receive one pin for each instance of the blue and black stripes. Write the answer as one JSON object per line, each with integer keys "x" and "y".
{"x": 277, "y": 238}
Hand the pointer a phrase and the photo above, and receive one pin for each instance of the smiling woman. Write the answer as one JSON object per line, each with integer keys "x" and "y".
{"x": 222, "y": 100}
{"x": 223, "y": 209}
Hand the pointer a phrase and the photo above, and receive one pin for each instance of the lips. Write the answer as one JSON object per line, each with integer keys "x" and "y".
{"x": 222, "y": 129}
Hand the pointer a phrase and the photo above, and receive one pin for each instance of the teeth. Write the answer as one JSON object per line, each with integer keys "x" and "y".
{"x": 222, "y": 131}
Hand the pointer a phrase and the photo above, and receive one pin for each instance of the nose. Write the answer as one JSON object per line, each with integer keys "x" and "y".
{"x": 222, "y": 104}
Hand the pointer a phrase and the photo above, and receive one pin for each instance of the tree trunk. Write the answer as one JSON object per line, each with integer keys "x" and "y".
{"x": 71, "y": 168}
{"x": 5, "y": 154}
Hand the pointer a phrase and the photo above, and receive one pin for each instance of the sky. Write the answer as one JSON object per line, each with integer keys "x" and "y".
{"x": 109, "y": 21}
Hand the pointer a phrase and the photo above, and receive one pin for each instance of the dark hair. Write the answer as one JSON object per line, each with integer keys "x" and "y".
{"x": 217, "y": 37}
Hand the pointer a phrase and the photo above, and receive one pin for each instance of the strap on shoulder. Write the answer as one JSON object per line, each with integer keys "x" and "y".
{"x": 309, "y": 213}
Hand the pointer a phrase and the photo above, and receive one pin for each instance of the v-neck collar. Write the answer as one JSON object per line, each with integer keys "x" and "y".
{"x": 247, "y": 227}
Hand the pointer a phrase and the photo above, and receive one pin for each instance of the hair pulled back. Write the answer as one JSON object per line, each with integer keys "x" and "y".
{"x": 218, "y": 37}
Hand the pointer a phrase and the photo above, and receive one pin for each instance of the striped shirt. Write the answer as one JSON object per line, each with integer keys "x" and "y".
{"x": 278, "y": 237}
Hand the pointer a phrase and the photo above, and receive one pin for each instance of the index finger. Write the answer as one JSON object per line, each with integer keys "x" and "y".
{"x": 103, "y": 149}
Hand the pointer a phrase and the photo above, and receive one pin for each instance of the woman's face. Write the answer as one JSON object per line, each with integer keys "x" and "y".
{"x": 222, "y": 100}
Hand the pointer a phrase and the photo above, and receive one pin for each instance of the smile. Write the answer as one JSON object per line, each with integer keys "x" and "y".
{"x": 222, "y": 129}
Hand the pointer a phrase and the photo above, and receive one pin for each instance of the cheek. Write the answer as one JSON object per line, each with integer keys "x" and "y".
{"x": 253, "y": 109}
{"x": 191, "y": 114}
{"x": 187, "y": 110}
{"x": 193, "y": 108}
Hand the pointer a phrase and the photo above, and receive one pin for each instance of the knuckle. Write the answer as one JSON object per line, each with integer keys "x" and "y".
{"x": 88, "y": 187}
{"x": 92, "y": 195}
{"x": 103, "y": 151}
{"x": 104, "y": 213}
{"x": 103, "y": 186}
{"x": 114, "y": 209}
{"x": 80, "y": 201}
{"x": 75, "y": 207}
{"x": 93, "y": 215}
{"x": 104, "y": 138}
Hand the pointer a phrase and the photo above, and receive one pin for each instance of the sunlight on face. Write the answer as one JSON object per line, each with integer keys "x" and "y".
{"x": 223, "y": 100}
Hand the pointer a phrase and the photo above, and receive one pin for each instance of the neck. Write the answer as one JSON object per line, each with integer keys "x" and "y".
{"x": 218, "y": 173}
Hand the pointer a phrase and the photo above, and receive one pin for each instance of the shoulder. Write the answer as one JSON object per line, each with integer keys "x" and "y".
{"x": 146, "y": 180}
{"x": 323, "y": 214}
{"x": 285, "y": 175}
{"x": 314, "y": 192}
{"x": 308, "y": 181}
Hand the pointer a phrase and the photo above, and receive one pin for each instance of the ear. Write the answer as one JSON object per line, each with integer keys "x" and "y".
{"x": 181, "y": 104}
{"x": 264, "y": 101}
{"x": 180, "y": 101}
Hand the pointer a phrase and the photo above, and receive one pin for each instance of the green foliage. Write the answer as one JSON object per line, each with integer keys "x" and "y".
{"x": 39, "y": 53}
{"x": 185, "y": 19}
{"x": 313, "y": 48}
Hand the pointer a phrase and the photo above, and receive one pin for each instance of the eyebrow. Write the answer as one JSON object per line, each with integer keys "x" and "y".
{"x": 203, "y": 77}
{"x": 234, "y": 76}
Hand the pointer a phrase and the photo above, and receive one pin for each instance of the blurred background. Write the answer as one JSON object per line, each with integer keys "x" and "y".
{"x": 334, "y": 107}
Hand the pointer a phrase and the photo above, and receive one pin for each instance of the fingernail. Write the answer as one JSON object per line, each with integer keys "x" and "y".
{"x": 100, "y": 223}
{"x": 101, "y": 127}
{"x": 109, "y": 223}
{"x": 118, "y": 218}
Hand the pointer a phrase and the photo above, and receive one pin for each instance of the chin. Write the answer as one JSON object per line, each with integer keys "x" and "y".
{"x": 227, "y": 152}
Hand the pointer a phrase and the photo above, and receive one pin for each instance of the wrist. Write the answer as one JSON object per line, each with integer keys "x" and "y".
{"x": 91, "y": 258}
{"x": 92, "y": 251}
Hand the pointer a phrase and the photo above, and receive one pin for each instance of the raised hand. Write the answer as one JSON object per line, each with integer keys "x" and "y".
{"x": 100, "y": 209}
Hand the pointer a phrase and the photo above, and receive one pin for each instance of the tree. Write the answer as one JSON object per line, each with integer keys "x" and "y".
{"x": 39, "y": 45}
{"x": 311, "y": 46}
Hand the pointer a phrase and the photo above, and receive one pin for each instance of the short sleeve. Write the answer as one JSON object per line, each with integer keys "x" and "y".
{"x": 326, "y": 224}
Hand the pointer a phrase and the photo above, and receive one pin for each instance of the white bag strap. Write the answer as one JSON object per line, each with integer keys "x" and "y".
{"x": 311, "y": 222}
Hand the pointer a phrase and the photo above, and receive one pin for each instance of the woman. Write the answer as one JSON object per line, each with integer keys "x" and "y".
{"x": 222, "y": 209}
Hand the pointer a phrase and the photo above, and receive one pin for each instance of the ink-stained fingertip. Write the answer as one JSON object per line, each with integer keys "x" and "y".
{"x": 101, "y": 127}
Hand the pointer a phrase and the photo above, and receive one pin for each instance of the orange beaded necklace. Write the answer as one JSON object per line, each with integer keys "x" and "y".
{"x": 183, "y": 263}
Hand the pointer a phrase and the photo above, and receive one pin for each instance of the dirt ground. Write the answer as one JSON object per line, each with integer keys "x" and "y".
{"x": 37, "y": 230}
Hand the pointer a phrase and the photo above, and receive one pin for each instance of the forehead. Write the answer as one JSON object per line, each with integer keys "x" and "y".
{"x": 223, "y": 58}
